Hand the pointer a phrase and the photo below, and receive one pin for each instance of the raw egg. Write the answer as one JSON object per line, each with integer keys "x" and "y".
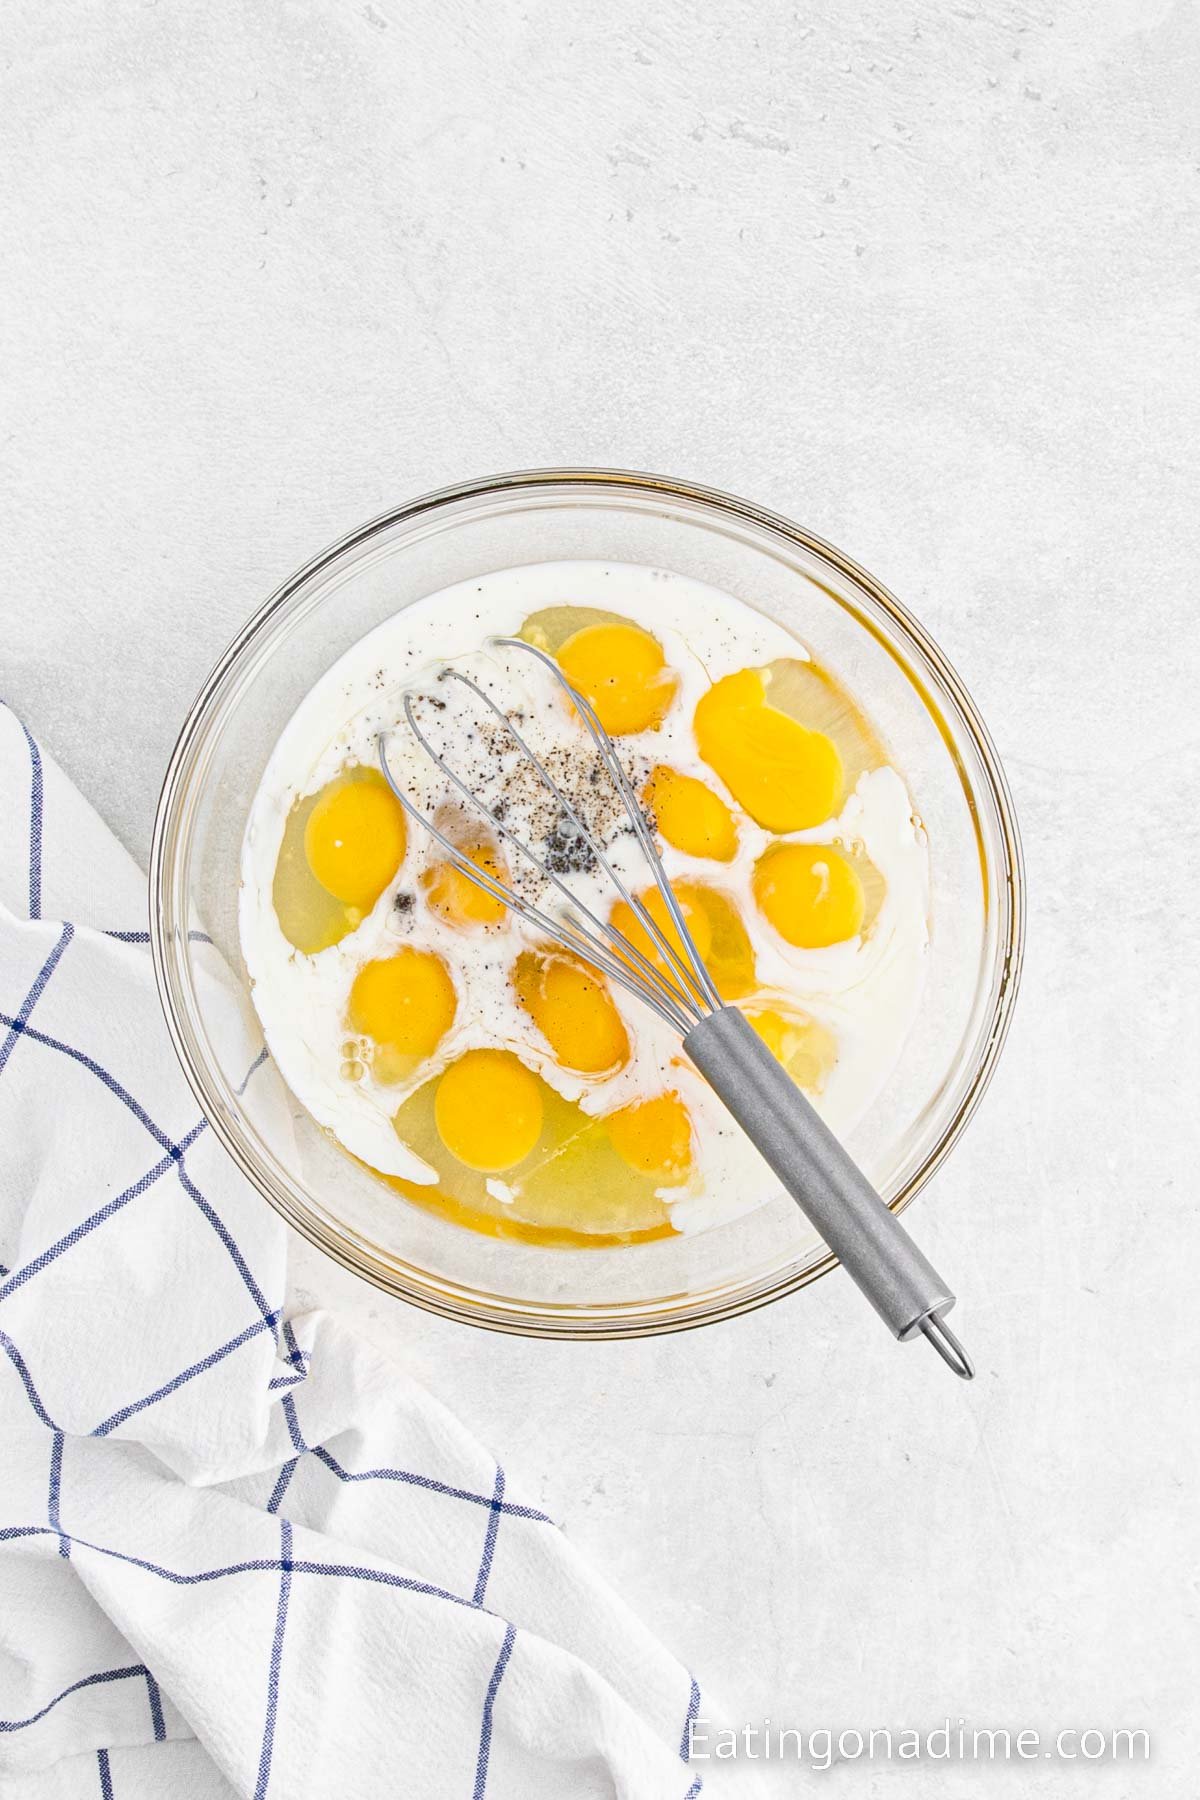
{"x": 622, "y": 671}
{"x": 572, "y": 1189}
{"x": 654, "y": 1137}
{"x": 572, "y": 1008}
{"x": 715, "y": 926}
{"x": 341, "y": 847}
{"x": 454, "y": 897}
{"x": 354, "y": 839}
{"x": 404, "y": 1002}
{"x": 488, "y": 1109}
{"x": 730, "y": 954}
{"x": 806, "y": 1048}
{"x": 810, "y": 893}
{"x": 690, "y": 816}
{"x": 786, "y": 777}
{"x": 623, "y": 918}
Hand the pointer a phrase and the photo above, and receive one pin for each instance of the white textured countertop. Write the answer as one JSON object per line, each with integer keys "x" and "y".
{"x": 923, "y": 277}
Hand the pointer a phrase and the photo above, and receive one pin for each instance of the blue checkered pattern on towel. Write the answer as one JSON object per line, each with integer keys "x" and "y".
{"x": 239, "y": 1552}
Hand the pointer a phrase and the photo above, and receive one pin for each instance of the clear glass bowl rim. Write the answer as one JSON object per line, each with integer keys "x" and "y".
{"x": 166, "y": 938}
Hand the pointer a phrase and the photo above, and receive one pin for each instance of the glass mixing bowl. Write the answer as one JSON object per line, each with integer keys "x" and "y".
{"x": 853, "y": 626}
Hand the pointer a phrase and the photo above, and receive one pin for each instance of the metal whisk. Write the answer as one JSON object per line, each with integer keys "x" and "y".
{"x": 832, "y": 1192}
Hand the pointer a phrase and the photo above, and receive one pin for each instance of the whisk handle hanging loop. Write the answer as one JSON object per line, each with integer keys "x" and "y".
{"x": 827, "y": 1185}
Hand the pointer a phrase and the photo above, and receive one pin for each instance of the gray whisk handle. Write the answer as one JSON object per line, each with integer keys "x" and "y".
{"x": 831, "y": 1191}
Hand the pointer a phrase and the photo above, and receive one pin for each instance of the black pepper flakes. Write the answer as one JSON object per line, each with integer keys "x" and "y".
{"x": 568, "y": 851}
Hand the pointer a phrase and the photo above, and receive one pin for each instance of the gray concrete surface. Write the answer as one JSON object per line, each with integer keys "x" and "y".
{"x": 925, "y": 277}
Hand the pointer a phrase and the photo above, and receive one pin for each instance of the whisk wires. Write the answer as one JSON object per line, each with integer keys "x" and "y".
{"x": 677, "y": 987}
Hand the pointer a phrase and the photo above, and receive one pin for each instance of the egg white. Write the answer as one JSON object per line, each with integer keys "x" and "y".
{"x": 866, "y": 991}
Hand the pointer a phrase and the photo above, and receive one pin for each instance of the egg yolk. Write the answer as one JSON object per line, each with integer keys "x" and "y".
{"x": 787, "y": 777}
{"x": 690, "y": 816}
{"x": 625, "y": 920}
{"x": 354, "y": 840}
{"x": 488, "y": 1110}
{"x": 621, "y": 670}
{"x": 716, "y": 929}
{"x": 457, "y": 899}
{"x": 810, "y": 893}
{"x": 572, "y": 1008}
{"x": 730, "y": 958}
{"x": 404, "y": 1002}
{"x": 807, "y": 1049}
{"x": 654, "y": 1137}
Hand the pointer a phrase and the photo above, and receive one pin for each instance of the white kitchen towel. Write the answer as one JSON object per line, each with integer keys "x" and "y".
{"x": 241, "y": 1553}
